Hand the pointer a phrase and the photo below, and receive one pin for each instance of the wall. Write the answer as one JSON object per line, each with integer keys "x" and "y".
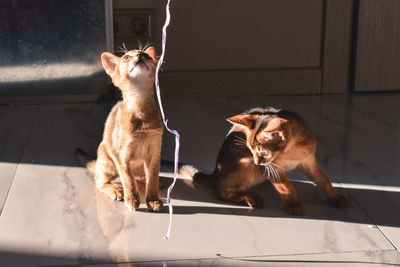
{"x": 51, "y": 49}
{"x": 237, "y": 34}
{"x": 220, "y": 42}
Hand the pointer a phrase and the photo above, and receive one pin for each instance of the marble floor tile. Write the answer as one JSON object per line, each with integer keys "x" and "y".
{"x": 10, "y": 154}
{"x": 69, "y": 122}
{"x": 371, "y": 168}
{"x": 55, "y": 216}
{"x": 361, "y": 259}
{"x": 16, "y": 122}
{"x": 55, "y": 210}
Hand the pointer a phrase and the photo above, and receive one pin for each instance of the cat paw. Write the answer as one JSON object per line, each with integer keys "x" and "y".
{"x": 154, "y": 205}
{"x": 340, "y": 201}
{"x": 295, "y": 208}
{"x": 132, "y": 201}
{"x": 117, "y": 192}
{"x": 253, "y": 200}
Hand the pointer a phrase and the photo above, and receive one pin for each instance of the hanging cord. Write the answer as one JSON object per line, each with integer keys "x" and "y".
{"x": 157, "y": 85}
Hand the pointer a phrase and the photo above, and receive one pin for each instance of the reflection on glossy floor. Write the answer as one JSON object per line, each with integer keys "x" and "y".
{"x": 52, "y": 214}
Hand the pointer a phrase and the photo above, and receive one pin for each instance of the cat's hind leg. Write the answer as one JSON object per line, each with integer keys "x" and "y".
{"x": 250, "y": 198}
{"x": 235, "y": 189}
{"x": 105, "y": 173}
{"x": 103, "y": 183}
{"x": 311, "y": 170}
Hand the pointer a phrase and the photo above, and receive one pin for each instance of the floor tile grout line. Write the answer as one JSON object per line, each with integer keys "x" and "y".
{"x": 19, "y": 159}
{"x": 228, "y": 258}
{"x": 310, "y": 253}
{"x": 375, "y": 224}
{"x": 354, "y": 199}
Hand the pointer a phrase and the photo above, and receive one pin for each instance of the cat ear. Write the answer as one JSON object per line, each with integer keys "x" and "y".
{"x": 243, "y": 119}
{"x": 274, "y": 137}
{"x": 275, "y": 130}
{"x": 109, "y": 61}
{"x": 151, "y": 51}
{"x": 276, "y": 123}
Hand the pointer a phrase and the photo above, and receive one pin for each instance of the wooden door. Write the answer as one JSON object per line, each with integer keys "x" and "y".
{"x": 236, "y": 47}
{"x": 377, "y": 63}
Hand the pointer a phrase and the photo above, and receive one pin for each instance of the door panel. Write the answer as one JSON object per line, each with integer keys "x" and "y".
{"x": 237, "y": 34}
{"x": 377, "y": 65}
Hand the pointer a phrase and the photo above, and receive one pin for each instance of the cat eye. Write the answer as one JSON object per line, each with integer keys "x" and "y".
{"x": 126, "y": 57}
{"x": 264, "y": 154}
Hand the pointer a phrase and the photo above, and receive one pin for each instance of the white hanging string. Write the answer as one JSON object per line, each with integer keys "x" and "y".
{"x": 157, "y": 85}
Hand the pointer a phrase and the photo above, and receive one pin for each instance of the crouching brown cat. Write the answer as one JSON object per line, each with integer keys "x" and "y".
{"x": 131, "y": 144}
{"x": 263, "y": 144}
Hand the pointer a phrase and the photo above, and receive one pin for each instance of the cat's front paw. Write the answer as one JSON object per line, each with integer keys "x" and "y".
{"x": 341, "y": 201}
{"x": 154, "y": 205}
{"x": 114, "y": 191}
{"x": 295, "y": 208}
{"x": 132, "y": 201}
{"x": 117, "y": 192}
{"x": 253, "y": 200}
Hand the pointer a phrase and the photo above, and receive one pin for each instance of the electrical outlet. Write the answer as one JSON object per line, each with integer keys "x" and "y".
{"x": 132, "y": 26}
{"x": 139, "y": 25}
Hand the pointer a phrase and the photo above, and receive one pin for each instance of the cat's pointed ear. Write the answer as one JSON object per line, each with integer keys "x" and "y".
{"x": 275, "y": 130}
{"x": 109, "y": 62}
{"x": 243, "y": 119}
{"x": 152, "y": 52}
{"x": 275, "y": 124}
{"x": 275, "y": 136}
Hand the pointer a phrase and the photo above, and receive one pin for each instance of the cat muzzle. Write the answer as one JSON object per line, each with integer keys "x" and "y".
{"x": 140, "y": 60}
{"x": 260, "y": 161}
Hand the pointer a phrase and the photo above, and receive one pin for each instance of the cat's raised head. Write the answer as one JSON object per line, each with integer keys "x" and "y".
{"x": 266, "y": 133}
{"x": 135, "y": 67}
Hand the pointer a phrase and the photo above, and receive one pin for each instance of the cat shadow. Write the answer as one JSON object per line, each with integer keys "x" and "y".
{"x": 315, "y": 205}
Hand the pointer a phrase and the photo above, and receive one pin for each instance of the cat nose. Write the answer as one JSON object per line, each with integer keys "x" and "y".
{"x": 261, "y": 160}
{"x": 143, "y": 56}
{"x": 138, "y": 58}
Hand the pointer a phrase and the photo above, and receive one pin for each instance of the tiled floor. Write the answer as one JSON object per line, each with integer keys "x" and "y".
{"x": 51, "y": 214}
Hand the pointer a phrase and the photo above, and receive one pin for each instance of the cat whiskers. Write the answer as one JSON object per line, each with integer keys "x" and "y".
{"x": 276, "y": 175}
{"x": 272, "y": 173}
{"x": 122, "y": 49}
{"x": 276, "y": 165}
{"x": 143, "y": 48}
{"x": 162, "y": 64}
{"x": 154, "y": 65}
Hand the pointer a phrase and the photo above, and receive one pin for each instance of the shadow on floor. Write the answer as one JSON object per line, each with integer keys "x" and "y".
{"x": 316, "y": 206}
{"x": 11, "y": 258}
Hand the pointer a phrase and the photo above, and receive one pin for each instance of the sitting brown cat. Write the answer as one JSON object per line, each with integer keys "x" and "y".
{"x": 263, "y": 144}
{"x": 131, "y": 144}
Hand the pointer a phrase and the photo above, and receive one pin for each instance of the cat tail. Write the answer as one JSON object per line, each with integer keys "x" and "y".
{"x": 192, "y": 173}
{"x": 87, "y": 160}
